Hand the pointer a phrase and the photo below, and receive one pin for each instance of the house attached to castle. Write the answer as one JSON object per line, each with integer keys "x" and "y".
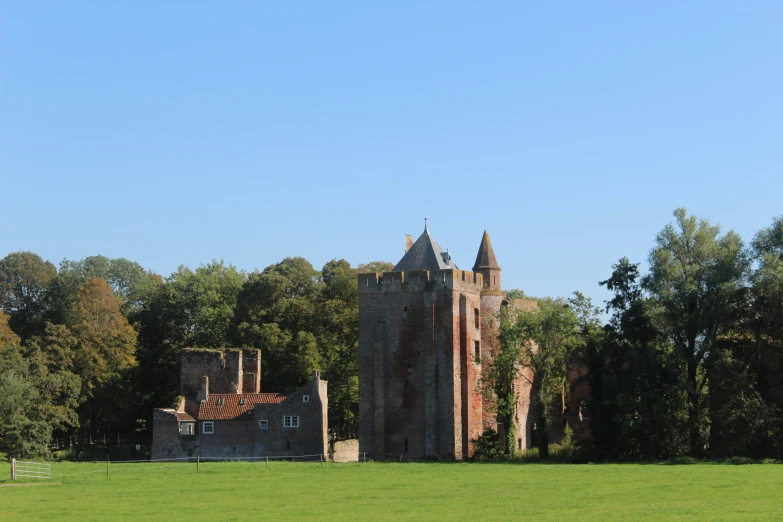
{"x": 425, "y": 329}
{"x": 222, "y": 412}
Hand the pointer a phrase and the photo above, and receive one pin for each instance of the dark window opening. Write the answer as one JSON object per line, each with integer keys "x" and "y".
{"x": 477, "y": 352}
{"x": 288, "y": 444}
{"x": 476, "y": 317}
{"x": 519, "y": 444}
{"x": 406, "y": 444}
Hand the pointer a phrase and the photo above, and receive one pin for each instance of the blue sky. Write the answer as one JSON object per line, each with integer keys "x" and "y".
{"x": 178, "y": 132}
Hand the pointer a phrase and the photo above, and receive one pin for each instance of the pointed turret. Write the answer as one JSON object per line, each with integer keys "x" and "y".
{"x": 487, "y": 265}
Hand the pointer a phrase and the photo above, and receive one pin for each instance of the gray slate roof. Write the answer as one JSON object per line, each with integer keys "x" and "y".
{"x": 425, "y": 254}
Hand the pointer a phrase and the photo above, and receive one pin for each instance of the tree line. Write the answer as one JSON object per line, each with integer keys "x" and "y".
{"x": 689, "y": 363}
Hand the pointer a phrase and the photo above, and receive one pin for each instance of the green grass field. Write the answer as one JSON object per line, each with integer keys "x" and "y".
{"x": 408, "y": 491}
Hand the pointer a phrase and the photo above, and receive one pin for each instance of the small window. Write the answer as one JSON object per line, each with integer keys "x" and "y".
{"x": 290, "y": 421}
{"x": 263, "y": 425}
{"x": 220, "y": 401}
{"x": 242, "y": 401}
{"x": 305, "y": 398}
{"x": 208, "y": 428}
{"x": 477, "y": 352}
{"x": 476, "y": 317}
{"x": 288, "y": 444}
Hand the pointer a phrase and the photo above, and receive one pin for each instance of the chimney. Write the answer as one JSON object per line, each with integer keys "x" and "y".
{"x": 316, "y": 375}
{"x": 203, "y": 392}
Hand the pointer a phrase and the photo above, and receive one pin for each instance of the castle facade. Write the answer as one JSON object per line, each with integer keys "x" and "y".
{"x": 425, "y": 330}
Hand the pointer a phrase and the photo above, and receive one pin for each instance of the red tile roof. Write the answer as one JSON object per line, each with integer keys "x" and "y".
{"x": 231, "y": 409}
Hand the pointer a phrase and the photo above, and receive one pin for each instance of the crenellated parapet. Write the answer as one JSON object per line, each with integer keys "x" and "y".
{"x": 420, "y": 280}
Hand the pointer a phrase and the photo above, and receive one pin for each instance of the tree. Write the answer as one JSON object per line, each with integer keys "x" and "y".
{"x": 24, "y": 280}
{"x": 696, "y": 281}
{"x": 542, "y": 341}
{"x": 129, "y": 281}
{"x": 274, "y": 307}
{"x": 38, "y": 394}
{"x": 638, "y": 406}
{"x": 104, "y": 355}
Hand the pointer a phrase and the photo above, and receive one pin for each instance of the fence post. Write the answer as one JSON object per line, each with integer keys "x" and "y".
{"x": 198, "y": 461}
{"x": 267, "y": 462}
{"x": 321, "y": 458}
{"x": 13, "y": 469}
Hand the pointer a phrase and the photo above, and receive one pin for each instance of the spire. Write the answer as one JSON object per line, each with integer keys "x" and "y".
{"x": 425, "y": 226}
{"x": 486, "y": 256}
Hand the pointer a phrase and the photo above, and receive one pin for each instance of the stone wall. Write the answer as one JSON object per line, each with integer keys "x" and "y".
{"x": 346, "y": 451}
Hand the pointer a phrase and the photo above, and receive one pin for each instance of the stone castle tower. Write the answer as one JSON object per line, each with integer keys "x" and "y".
{"x": 424, "y": 330}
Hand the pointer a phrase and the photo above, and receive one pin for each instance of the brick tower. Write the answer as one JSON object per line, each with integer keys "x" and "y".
{"x": 419, "y": 356}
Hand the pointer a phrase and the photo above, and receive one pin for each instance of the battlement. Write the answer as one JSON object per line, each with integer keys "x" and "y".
{"x": 419, "y": 280}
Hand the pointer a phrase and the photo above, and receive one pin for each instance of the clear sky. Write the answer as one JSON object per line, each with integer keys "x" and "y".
{"x": 177, "y": 132}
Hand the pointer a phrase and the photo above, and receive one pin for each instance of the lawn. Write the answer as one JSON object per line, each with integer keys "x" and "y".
{"x": 394, "y": 491}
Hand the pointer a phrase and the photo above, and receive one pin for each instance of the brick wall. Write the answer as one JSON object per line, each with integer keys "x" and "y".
{"x": 412, "y": 345}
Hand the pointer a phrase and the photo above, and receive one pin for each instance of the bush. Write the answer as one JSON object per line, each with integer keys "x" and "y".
{"x": 487, "y": 447}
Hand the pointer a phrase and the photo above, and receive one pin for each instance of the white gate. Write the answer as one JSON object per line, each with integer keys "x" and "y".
{"x": 21, "y": 469}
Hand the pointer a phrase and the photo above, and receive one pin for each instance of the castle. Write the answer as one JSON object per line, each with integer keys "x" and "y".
{"x": 425, "y": 329}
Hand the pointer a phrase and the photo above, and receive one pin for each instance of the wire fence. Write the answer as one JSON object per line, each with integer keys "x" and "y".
{"x": 107, "y": 467}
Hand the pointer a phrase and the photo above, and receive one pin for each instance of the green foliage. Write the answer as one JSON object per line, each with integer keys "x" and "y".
{"x": 128, "y": 280}
{"x": 696, "y": 284}
{"x": 638, "y": 406}
{"x": 549, "y": 339}
{"x": 487, "y": 447}
{"x": 38, "y": 395}
{"x": 24, "y": 281}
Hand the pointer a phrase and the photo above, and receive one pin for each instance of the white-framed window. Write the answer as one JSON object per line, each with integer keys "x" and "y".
{"x": 305, "y": 398}
{"x": 290, "y": 421}
{"x": 263, "y": 425}
{"x": 207, "y": 427}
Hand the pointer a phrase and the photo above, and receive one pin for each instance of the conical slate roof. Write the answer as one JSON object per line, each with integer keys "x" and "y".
{"x": 425, "y": 254}
{"x": 486, "y": 256}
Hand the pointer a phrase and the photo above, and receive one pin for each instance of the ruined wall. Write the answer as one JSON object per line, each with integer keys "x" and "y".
{"x": 251, "y": 371}
{"x": 223, "y": 367}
